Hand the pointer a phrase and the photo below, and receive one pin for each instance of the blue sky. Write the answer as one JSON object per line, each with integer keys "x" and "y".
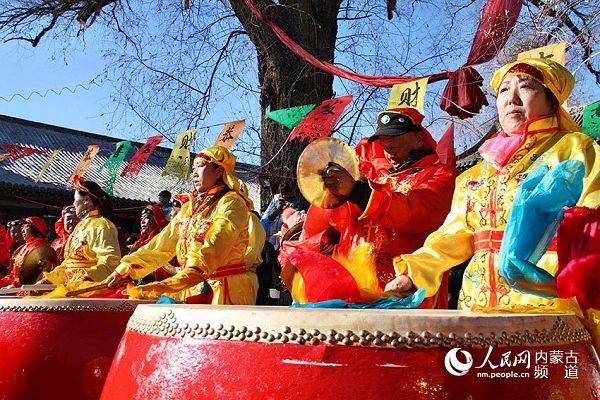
{"x": 29, "y": 74}
{"x": 32, "y": 72}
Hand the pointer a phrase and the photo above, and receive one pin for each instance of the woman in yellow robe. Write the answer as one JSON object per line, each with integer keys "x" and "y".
{"x": 92, "y": 250}
{"x": 536, "y": 130}
{"x": 215, "y": 237}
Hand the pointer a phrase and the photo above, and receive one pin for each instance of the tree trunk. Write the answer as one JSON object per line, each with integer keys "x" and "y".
{"x": 286, "y": 80}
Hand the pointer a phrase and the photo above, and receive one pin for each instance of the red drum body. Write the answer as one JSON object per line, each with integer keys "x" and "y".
{"x": 236, "y": 352}
{"x": 59, "y": 348}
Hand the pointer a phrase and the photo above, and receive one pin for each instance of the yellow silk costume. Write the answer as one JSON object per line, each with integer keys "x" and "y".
{"x": 483, "y": 199}
{"x": 91, "y": 252}
{"x": 213, "y": 234}
{"x": 215, "y": 239}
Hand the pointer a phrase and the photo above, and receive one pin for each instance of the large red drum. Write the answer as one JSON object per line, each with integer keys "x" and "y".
{"x": 59, "y": 348}
{"x": 237, "y": 352}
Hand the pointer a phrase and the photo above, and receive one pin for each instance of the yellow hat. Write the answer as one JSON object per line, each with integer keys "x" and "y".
{"x": 548, "y": 73}
{"x": 223, "y": 157}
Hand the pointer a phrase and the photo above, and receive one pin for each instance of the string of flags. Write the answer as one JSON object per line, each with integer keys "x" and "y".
{"x": 307, "y": 122}
{"x": 177, "y": 165}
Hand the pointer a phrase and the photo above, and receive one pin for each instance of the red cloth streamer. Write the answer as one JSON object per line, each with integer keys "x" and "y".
{"x": 445, "y": 147}
{"x": 324, "y": 277}
{"x": 96, "y": 14}
{"x": 579, "y": 256}
{"x": 463, "y": 95}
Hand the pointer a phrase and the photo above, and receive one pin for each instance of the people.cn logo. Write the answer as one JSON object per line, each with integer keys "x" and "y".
{"x": 456, "y": 367}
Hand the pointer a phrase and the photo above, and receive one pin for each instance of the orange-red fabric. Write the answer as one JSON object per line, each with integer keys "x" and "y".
{"x": 403, "y": 209}
{"x": 17, "y": 260}
{"x": 39, "y": 223}
{"x": 4, "y": 246}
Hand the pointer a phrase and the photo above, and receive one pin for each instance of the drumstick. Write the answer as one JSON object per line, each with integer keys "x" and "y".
{"x": 92, "y": 288}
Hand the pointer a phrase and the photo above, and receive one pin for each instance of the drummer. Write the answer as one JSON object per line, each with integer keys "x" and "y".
{"x": 405, "y": 195}
{"x": 4, "y": 251}
{"x": 536, "y": 133}
{"x": 63, "y": 227}
{"x": 14, "y": 241}
{"x": 92, "y": 251}
{"x": 15, "y": 232}
{"x": 214, "y": 238}
{"x": 34, "y": 231}
{"x": 152, "y": 221}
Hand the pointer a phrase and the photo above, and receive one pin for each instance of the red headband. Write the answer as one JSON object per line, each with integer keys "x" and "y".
{"x": 527, "y": 70}
{"x": 79, "y": 187}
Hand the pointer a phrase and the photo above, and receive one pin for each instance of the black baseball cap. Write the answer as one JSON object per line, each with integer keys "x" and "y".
{"x": 393, "y": 123}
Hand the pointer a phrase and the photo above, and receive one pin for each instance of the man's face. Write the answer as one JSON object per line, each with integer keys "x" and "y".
{"x": 147, "y": 223}
{"x": 70, "y": 220}
{"x": 398, "y": 148}
{"x": 16, "y": 233}
{"x": 284, "y": 195}
{"x": 163, "y": 199}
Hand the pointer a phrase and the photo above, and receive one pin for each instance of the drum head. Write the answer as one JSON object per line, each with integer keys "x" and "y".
{"x": 31, "y": 269}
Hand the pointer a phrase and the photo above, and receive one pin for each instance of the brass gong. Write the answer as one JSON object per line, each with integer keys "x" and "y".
{"x": 31, "y": 269}
{"x": 313, "y": 161}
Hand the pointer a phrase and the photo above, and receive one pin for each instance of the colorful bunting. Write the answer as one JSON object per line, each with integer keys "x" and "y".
{"x": 178, "y": 163}
{"x": 113, "y": 163}
{"x": 445, "y": 147}
{"x": 290, "y": 117}
{"x": 141, "y": 156}
{"x": 230, "y": 133}
{"x": 45, "y": 167}
{"x": 84, "y": 163}
{"x": 409, "y": 94}
{"x": 591, "y": 120}
{"x": 554, "y": 52}
{"x": 4, "y": 156}
{"x": 17, "y": 152}
{"x": 321, "y": 121}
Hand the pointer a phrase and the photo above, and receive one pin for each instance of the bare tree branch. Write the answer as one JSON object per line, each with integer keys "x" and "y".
{"x": 579, "y": 34}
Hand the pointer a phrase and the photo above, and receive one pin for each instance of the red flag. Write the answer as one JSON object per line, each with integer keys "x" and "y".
{"x": 320, "y": 121}
{"x": 445, "y": 147}
{"x": 17, "y": 152}
{"x": 139, "y": 159}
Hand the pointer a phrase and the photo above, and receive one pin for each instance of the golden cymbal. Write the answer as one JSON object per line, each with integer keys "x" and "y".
{"x": 314, "y": 159}
{"x": 31, "y": 268}
{"x": 293, "y": 233}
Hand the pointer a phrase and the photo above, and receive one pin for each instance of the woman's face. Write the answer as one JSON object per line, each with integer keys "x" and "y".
{"x": 205, "y": 174}
{"x": 521, "y": 99}
{"x": 81, "y": 203}
{"x": 27, "y": 234}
